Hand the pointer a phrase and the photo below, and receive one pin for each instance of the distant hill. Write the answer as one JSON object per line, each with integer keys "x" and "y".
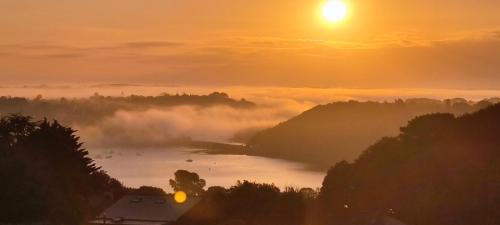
{"x": 439, "y": 170}
{"x": 338, "y": 131}
{"x": 91, "y": 110}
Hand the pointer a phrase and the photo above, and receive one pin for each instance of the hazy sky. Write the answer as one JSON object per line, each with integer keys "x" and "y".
{"x": 382, "y": 43}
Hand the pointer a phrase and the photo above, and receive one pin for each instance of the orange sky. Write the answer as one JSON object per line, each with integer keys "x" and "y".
{"x": 383, "y": 43}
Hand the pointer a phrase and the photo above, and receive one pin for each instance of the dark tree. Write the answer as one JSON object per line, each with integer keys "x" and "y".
{"x": 147, "y": 190}
{"x": 47, "y": 175}
{"x": 440, "y": 170}
{"x": 188, "y": 182}
{"x": 250, "y": 204}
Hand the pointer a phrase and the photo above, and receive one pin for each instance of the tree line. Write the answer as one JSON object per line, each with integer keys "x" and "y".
{"x": 441, "y": 169}
{"x": 91, "y": 110}
{"x": 339, "y": 131}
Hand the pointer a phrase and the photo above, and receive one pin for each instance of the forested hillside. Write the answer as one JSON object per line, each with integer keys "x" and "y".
{"x": 338, "y": 131}
{"x": 440, "y": 170}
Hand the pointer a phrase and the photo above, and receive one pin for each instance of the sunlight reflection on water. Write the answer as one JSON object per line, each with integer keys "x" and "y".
{"x": 154, "y": 167}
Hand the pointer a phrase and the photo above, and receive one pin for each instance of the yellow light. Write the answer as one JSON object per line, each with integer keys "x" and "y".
{"x": 334, "y": 10}
{"x": 180, "y": 197}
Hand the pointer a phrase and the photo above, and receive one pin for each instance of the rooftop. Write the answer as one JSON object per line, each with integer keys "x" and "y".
{"x": 150, "y": 210}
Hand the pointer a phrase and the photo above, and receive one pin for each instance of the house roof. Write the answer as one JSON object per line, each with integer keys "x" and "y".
{"x": 146, "y": 209}
{"x": 392, "y": 221}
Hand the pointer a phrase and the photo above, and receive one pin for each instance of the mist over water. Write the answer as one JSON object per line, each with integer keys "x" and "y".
{"x": 132, "y": 144}
{"x": 156, "y": 126}
{"x": 159, "y": 126}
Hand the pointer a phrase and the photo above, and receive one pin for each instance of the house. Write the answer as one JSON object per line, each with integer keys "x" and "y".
{"x": 376, "y": 218}
{"x": 145, "y": 210}
{"x": 392, "y": 221}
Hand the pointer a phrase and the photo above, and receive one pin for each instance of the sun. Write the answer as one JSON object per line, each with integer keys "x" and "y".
{"x": 334, "y": 10}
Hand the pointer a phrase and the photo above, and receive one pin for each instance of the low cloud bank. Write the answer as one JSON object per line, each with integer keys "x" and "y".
{"x": 139, "y": 127}
{"x": 159, "y": 127}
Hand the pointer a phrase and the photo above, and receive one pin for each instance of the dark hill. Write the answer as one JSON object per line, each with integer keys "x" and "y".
{"x": 338, "y": 131}
{"x": 440, "y": 170}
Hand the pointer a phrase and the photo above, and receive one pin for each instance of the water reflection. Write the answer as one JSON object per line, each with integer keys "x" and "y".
{"x": 154, "y": 167}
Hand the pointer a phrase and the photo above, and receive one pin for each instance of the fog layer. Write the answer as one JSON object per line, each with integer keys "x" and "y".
{"x": 141, "y": 116}
{"x": 158, "y": 127}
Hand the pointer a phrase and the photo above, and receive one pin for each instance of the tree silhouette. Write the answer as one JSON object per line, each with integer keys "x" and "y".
{"x": 440, "y": 170}
{"x": 188, "y": 182}
{"x": 250, "y": 204}
{"x": 147, "y": 190}
{"x": 93, "y": 109}
{"x": 340, "y": 131}
{"x": 47, "y": 175}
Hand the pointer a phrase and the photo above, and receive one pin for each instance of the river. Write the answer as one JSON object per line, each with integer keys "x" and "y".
{"x": 154, "y": 167}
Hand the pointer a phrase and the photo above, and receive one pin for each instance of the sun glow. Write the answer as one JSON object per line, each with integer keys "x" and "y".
{"x": 334, "y": 10}
{"x": 180, "y": 197}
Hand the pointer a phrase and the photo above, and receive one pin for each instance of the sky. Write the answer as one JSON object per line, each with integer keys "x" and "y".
{"x": 447, "y": 44}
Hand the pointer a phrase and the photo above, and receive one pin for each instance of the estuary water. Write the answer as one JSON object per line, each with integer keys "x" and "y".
{"x": 154, "y": 167}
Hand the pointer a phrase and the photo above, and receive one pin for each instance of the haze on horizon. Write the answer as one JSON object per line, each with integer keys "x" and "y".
{"x": 453, "y": 44}
{"x": 263, "y": 112}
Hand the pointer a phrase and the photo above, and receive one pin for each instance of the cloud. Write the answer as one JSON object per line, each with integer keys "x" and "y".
{"x": 37, "y": 46}
{"x": 495, "y": 34}
{"x": 398, "y": 59}
{"x": 68, "y": 51}
{"x": 64, "y": 55}
{"x": 152, "y": 44}
{"x": 159, "y": 127}
{"x": 138, "y": 127}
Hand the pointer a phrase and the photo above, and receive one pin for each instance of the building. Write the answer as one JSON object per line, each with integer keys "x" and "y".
{"x": 145, "y": 210}
{"x": 376, "y": 218}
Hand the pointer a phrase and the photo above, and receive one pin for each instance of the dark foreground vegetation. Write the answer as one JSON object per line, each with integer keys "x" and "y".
{"x": 339, "y": 131}
{"x": 440, "y": 170}
{"x": 249, "y": 203}
{"x": 47, "y": 176}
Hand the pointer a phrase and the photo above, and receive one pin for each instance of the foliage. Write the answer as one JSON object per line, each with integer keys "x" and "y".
{"x": 440, "y": 170}
{"x": 339, "y": 131}
{"x": 146, "y": 190}
{"x": 250, "y": 204}
{"x": 188, "y": 182}
{"x": 97, "y": 107}
{"x": 47, "y": 175}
